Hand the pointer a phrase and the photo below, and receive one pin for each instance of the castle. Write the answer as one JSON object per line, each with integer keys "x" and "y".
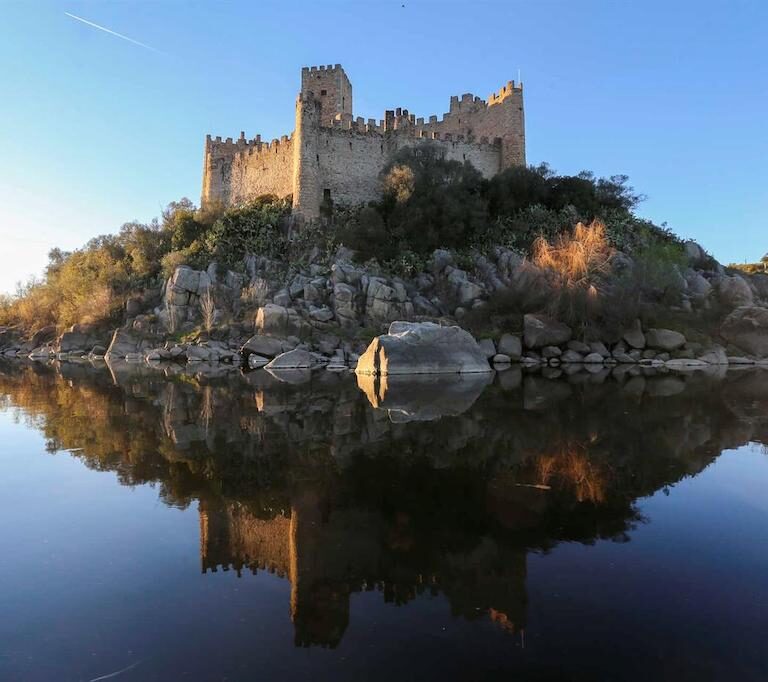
{"x": 332, "y": 157}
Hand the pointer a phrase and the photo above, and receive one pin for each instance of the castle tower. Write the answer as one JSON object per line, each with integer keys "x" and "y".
{"x": 506, "y": 119}
{"x": 331, "y": 88}
{"x": 306, "y": 156}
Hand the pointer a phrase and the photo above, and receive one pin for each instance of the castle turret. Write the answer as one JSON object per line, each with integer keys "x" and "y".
{"x": 506, "y": 119}
{"x": 306, "y": 156}
{"x": 331, "y": 88}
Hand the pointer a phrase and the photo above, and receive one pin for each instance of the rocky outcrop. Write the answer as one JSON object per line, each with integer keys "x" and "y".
{"x": 127, "y": 345}
{"x": 664, "y": 339}
{"x": 276, "y": 320}
{"x": 293, "y": 359}
{"x": 81, "y": 339}
{"x": 540, "y": 331}
{"x": 267, "y": 346}
{"x": 747, "y": 328}
{"x": 423, "y": 348}
{"x": 734, "y": 292}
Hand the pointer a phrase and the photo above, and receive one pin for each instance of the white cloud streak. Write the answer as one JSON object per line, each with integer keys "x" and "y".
{"x": 111, "y": 32}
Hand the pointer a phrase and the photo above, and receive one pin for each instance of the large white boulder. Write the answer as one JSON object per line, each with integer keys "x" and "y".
{"x": 747, "y": 328}
{"x": 423, "y": 348}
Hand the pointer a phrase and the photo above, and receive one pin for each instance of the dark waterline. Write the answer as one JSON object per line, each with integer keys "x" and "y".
{"x": 243, "y": 527}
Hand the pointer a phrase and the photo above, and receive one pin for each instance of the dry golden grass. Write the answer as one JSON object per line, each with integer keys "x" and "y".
{"x": 577, "y": 257}
{"x": 572, "y": 467}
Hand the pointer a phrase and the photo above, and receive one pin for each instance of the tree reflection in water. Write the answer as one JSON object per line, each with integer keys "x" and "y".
{"x": 439, "y": 485}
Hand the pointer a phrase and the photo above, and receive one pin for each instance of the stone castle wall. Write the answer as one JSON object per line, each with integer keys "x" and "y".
{"x": 349, "y": 162}
{"x": 332, "y": 155}
{"x": 236, "y": 171}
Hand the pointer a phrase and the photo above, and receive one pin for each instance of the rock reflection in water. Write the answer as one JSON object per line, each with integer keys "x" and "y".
{"x": 340, "y": 490}
{"x": 423, "y": 397}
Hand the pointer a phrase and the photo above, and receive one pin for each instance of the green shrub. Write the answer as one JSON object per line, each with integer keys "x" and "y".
{"x": 257, "y": 227}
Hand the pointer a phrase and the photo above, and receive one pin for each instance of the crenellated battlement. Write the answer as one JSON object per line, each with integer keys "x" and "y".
{"x": 506, "y": 91}
{"x": 333, "y": 155}
{"x": 255, "y": 145}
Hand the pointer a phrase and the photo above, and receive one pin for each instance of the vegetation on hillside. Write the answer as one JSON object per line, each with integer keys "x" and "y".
{"x": 569, "y": 226}
{"x": 760, "y": 267}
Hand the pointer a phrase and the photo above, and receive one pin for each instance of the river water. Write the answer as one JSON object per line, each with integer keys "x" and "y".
{"x": 185, "y": 525}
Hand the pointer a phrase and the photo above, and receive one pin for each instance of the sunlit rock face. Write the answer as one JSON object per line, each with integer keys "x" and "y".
{"x": 423, "y": 348}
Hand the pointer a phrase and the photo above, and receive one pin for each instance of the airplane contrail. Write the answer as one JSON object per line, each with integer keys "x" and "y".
{"x": 114, "y": 33}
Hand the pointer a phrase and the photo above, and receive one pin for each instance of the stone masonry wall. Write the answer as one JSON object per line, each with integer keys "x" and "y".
{"x": 330, "y": 152}
{"x": 330, "y": 85}
{"x": 238, "y": 171}
{"x": 349, "y": 163}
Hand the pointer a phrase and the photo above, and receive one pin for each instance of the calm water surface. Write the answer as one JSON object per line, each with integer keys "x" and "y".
{"x": 172, "y": 526}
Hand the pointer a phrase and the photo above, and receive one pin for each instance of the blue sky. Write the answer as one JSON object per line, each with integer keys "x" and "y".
{"x": 97, "y": 131}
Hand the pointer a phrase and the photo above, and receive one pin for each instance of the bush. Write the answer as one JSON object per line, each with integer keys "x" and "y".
{"x": 257, "y": 227}
{"x": 428, "y": 202}
{"x": 578, "y": 264}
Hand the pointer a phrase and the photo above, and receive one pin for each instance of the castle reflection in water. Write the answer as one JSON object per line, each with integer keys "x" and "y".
{"x": 437, "y": 486}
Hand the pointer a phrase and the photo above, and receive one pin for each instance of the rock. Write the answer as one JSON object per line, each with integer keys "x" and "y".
{"x": 510, "y": 345}
{"x": 440, "y": 260}
{"x": 157, "y": 355}
{"x": 198, "y": 354}
{"x": 686, "y": 363}
{"x": 186, "y": 279}
{"x": 599, "y": 348}
{"x": 133, "y": 306}
{"x": 694, "y": 253}
{"x": 41, "y": 353}
{"x": 423, "y": 348}
{"x": 423, "y": 306}
{"x": 698, "y": 285}
{"x": 593, "y": 359}
{"x": 293, "y": 359}
{"x": 465, "y": 290}
{"x": 715, "y": 356}
{"x": 42, "y": 336}
{"x": 296, "y": 287}
{"x": 123, "y": 344}
{"x": 734, "y": 292}
{"x": 623, "y": 358}
{"x": 277, "y": 320}
{"x": 739, "y": 360}
{"x": 664, "y": 339}
{"x": 549, "y": 352}
{"x": 327, "y": 343}
{"x": 501, "y": 359}
{"x": 571, "y": 357}
{"x": 282, "y": 298}
{"x": 255, "y": 361}
{"x": 384, "y": 303}
{"x": 634, "y": 337}
{"x": 579, "y": 347}
{"x": 323, "y": 314}
{"x": 344, "y": 304}
{"x": 487, "y": 347}
{"x": 747, "y": 328}
{"x": 540, "y": 331}
{"x": 268, "y": 346}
